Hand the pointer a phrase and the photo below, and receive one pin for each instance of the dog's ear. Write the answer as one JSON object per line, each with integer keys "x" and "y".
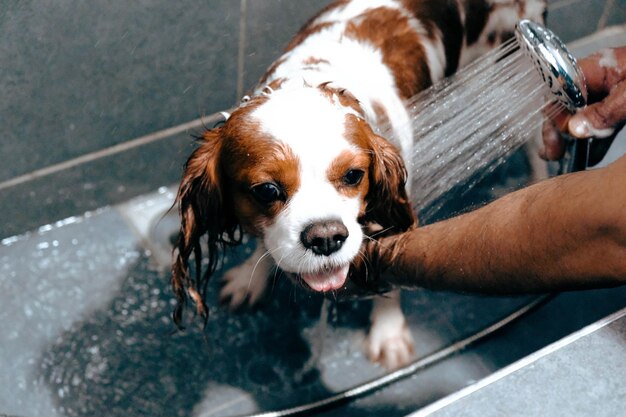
{"x": 203, "y": 211}
{"x": 387, "y": 201}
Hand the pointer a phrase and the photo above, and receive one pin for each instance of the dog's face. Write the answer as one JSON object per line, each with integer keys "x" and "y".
{"x": 304, "y": 181}
{"x": 299, "y": 182}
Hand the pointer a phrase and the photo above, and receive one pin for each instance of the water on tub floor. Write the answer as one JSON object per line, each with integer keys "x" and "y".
{"x": 86, "y": 331}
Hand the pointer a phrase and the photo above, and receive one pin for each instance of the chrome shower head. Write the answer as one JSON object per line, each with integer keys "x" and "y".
{"x": 555, "y": 64}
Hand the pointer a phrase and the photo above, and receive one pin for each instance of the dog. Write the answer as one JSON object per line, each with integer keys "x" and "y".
{"x": 301, "y": 165}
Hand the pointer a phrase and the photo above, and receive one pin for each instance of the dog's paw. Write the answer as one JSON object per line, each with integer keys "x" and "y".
{"x": 244, "y": 285}
{"x": 389, "y": 344}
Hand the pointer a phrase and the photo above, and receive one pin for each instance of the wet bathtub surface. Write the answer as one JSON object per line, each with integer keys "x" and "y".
{"x": 86, "y": 331}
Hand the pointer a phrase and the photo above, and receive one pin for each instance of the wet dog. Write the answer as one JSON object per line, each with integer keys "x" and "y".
{"x": 300, "y": 164}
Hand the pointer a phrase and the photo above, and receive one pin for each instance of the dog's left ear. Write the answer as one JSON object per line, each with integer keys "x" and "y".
{"x": 388, "y": 204}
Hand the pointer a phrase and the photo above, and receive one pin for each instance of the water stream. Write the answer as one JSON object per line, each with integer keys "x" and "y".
{"x": 469, "y": 123}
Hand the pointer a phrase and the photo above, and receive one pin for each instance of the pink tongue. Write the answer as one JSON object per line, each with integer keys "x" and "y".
{"x": 327, "y": 280}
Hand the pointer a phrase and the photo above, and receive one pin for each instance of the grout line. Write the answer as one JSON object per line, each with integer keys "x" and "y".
{"x": 115, "y": 149}
{"x": 608, "y": 6}
{"x": 241, "y": 53}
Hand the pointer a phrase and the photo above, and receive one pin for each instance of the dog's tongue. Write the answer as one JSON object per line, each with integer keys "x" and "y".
{"x": 323, "y": 281}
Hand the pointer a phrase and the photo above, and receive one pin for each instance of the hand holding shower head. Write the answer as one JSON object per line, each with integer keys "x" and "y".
{"x": 555, "y": 64}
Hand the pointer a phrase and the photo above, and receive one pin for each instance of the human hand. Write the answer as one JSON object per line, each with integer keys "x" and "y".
{"x": 364, "y": 277}
{"x": 605, "y": 76}
{"x": 384, "y": 263}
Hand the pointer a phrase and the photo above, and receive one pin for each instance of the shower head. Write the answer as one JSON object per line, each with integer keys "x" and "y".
{"x": 555, "y": 64}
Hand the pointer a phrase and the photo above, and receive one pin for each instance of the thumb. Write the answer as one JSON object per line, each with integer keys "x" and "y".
{"x": 600, "y": 119}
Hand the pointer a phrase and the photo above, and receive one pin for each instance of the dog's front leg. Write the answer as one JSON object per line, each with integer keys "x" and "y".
{"x": 246, "y": 283}
{"x": 389, "y": 340}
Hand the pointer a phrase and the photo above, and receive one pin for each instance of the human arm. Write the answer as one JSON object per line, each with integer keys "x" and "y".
{"x": 565, "y": 233}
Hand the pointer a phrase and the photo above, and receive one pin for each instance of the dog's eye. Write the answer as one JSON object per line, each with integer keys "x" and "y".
{"x": 266, "y": 193}
{"x": 353, "y": 177}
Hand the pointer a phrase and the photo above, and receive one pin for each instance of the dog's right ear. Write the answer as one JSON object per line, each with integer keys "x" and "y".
{"x": 203, "y": 211}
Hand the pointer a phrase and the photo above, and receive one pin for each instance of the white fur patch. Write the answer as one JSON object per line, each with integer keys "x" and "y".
{"x": 354, "y": 9}
{"x": 356, "y": 66}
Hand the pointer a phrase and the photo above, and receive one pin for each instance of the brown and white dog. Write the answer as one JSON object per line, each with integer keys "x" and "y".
{"x": 299, "y": 164}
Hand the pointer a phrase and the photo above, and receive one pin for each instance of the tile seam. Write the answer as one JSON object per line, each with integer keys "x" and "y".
{"x": 608, "y": 6}
{"x": 112, "y": 150}
{"x": 241, "y": 55}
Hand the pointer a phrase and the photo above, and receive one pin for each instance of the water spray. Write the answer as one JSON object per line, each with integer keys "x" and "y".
{"x": 461, "y": 127}
{"x": 465, "y": 126}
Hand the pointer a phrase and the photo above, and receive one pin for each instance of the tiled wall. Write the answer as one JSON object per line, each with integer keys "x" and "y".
{"x": 80, "y": 80}
{"x": 573, "y": 19}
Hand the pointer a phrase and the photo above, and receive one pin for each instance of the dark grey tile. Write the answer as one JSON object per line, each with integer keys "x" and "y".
{"x": 270, "y": 26}
{"x": 617, "y": 13}
{"x": 80, "y": 76}
{"x": 571, "y": 20}
{"x": 567, "y": 313}
{"x": 583, "y": 377}
{"x": 104, "y": 181}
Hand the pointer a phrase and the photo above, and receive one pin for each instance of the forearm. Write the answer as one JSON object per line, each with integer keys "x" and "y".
{"x": 564, "y": 233}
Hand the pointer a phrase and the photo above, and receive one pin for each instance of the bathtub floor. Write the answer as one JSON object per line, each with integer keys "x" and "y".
{"x": 86, "y": 328}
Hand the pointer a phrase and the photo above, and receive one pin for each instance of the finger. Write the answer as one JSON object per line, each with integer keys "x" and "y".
{"x": 559, "y": 120}
{"x": 599, "y": 119}
{"x": 553, "y": 143}
{"x": 604, "y": 69}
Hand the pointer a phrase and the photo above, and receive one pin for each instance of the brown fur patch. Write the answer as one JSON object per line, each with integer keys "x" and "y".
{"x": 250, "y": 159}
{"x": 345, "y": 98}
{"x": 271, "y": 70}
{"x": 445, "y": 16}
{"x": 389, "y": 31}
{"x": 346, "y": 161}
{"x": 314, "y": 61}
{"x": 277, "y": 83}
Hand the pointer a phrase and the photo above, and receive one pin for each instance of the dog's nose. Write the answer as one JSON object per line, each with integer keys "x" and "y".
{"x": 324, "y": 238}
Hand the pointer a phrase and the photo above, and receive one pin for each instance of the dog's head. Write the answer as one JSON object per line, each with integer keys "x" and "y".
{"x": 301, "y": 170}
